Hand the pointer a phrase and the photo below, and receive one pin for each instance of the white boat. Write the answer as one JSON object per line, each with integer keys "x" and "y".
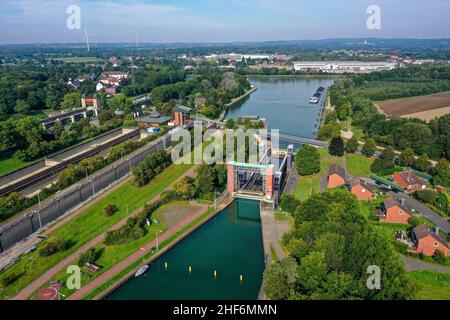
{"x": 141, "y": 271}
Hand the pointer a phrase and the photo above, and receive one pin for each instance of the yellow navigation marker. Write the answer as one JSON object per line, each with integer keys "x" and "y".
{"x": 241, "y": 278}
{"x": 215, "y": 273}
{"x": 165, "y": 265}
{"x": 190, "y": 269}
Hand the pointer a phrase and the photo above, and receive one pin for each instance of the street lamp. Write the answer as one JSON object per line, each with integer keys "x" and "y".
{"x": 157, "y": 244}
{"x": 39, "y": 211}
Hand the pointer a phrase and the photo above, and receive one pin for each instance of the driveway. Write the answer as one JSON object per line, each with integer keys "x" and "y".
{"x": 423, "y": 210}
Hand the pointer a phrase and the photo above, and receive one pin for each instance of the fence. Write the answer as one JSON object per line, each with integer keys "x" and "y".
{"x": 72, "y": 198}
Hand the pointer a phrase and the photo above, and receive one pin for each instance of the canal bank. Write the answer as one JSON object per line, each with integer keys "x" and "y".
{"x": 221, "y": 259}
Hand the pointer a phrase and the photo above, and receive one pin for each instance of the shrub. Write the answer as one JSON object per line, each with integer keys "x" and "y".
{"x": 414, "y": 221}
{"x": 90, "y": 256}
{"x": 439, "y": 256}
{"x": 54, "y": 247}
{"x": 110, "y": 209}
{"x": 6, "y": 281}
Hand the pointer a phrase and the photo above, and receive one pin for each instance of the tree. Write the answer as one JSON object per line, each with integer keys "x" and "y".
{"x": 352, "y": 145}
{"x": 369, "y": 148}
{"x": 57, "y": 129}
{"x": 382, "y": 167}
{"x": 22, "y": 106}
{"x": 71, "y": 100}
{"x": 442, "y": 173}
{"x": 337, "y": 147}
{"x": 388, "y": 154}
{"x": 229, "y": 124}
{"x": 406, "y": 158}
{"x": 422, "y": 163}
{"x": 280, "y": 278}
{"x": 414, "y": 221}
{"x": 289, "y": 203}
{"x": 307, "y": 160}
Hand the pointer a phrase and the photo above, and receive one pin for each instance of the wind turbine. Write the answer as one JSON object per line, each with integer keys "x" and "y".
{"x": 87, "y": 39}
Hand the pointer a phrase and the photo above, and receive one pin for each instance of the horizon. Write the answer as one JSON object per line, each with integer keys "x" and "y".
{"x": 213, "y": 21}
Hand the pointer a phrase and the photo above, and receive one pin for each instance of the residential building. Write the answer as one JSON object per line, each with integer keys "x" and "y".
{"x": 181, "y": 115}
{"x": 409, "y": 180}
{"x": 427, "y": 241}
{"x": 336, "y": 176}
{"x": 361, "y": 190}
{"x": 395, "y": 212}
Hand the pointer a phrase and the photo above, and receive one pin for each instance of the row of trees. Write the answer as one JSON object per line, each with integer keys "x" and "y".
{"x": 153, "y": 165}
{"x": 331, "y": 249}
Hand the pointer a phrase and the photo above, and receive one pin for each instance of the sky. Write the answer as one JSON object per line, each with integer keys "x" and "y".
{"x": 167, "y": 21}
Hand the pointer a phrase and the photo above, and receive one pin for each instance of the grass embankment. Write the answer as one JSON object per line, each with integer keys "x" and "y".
{"x": 432, "y": 285}
{"x": 148, "y": 255}
{"x": 11, "y": 164}
{"x": 306, "y": 185}
{"x": 87, "y": 226}
{"x": 113, "y": 254}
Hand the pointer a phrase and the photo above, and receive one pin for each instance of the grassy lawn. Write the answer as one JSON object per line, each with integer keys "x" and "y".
{"x": 112, "y": 255}
{"x": 358, "y": 132}
{"x": 358, "y": 165}
{"x": 8, "y": 165}
{"x": 88, "y": 225}
{"x": 432, "y": 285}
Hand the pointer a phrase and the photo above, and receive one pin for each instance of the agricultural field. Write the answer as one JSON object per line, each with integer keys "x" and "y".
{"x": 422, "y": 107}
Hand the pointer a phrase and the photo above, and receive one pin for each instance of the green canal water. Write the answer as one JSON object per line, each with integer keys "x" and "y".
{"x": 230, "y": 243}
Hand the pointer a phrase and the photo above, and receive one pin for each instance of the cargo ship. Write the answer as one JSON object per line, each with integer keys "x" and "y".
{"x": 316, "y": 97}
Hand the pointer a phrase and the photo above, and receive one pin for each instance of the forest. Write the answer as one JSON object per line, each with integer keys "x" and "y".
{"x": 354, "y": 96}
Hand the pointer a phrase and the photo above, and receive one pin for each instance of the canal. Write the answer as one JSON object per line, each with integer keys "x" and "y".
{"x": 283, "y": 101}
{"x": 230, "y": 243}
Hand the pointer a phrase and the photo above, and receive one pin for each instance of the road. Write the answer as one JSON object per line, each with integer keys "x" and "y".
{"x": 415, "y": 264}
{"x": 423, "y": 210}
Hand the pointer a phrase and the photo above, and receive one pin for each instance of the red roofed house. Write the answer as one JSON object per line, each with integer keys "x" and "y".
{"x": 395, "y": 212}
{"x": 361, "y": 190}
{"x": 409, "y": 180}
{"x": 428, "y": 242}
{"x": 336, "y": 176}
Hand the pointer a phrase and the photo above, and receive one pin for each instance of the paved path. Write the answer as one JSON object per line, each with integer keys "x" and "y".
{"x": 415, "y": 264}
{"x": 79, "y": 294}
{"x": 270, "y": 234}
{"x": 423, "y": 210}
{"x": 48, "y": 276}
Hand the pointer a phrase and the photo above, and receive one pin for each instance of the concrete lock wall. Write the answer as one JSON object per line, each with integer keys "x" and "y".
{"x": 74, "y": 196}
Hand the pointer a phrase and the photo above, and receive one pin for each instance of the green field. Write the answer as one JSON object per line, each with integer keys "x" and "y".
{"x": 89, "y": 225}
{"x": 358, "y": 165}
{"x": 432, "y": 285}
{"x": 11, "y": 164}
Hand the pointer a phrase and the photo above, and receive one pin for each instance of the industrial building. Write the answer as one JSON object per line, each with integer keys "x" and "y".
{"x": 343, "y": 66}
